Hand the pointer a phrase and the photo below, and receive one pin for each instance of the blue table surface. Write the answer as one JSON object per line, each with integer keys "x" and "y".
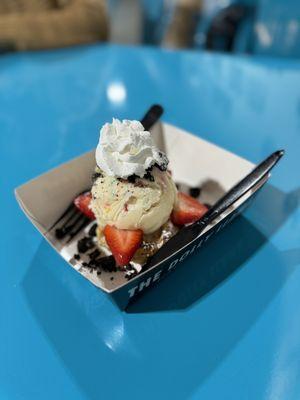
{"x": 226, "y": 324}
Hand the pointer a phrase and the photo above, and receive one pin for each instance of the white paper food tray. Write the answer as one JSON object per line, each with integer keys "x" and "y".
{"x": 194, "y": 162}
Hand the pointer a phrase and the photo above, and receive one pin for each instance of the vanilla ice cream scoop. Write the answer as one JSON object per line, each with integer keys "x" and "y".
{"x": 144, "y": 204}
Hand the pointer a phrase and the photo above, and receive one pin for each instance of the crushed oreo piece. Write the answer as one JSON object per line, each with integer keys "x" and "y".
{"x": 96, "y": 262}
{"x": 92, "y": 230}
{"x": 94, "y": 254}
{"x": 84, "y": 264}
{"x": 162, "y": 167}
{"x": 149, "y": 176}
{"x": 111, "y": 278}
{"x": 92, "y": 264}
{"x": 85, "y": 244}
{"x": 77, "y": 256}
{"x": 132, "y": 178}
{"x": 130, "y": 271}
{"x": 194, "y": 192}
{"x": 108, "y": 263}
{"x": 98, "y": 272}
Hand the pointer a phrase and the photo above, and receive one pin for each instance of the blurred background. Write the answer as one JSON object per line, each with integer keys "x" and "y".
{"x": 264, "y": 27}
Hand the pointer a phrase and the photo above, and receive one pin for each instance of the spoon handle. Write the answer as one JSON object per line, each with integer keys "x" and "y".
{"x": 152, "y": 116}
{"x": 241, "y": 187}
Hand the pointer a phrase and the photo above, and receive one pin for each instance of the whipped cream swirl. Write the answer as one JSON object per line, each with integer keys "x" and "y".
{"x": 126, "y": 149}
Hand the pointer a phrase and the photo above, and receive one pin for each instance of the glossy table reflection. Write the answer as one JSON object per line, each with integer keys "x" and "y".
{"x": 223, "y": 326}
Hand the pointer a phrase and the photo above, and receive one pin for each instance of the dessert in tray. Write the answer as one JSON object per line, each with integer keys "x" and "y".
{"x": 120, "y": 215}
{"x": 133, "y": 201}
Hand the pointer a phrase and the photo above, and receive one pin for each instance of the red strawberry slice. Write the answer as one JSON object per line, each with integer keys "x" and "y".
{"x": 123, "y": 243}
{"x": 82, "y": 202}
{"x": 187, "y": 210}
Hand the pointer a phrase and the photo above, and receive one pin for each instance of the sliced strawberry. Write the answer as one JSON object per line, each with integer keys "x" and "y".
{"x": 187, "y": 210}
{"x": 82, "y": 202}
{"x": 123, "y": 243}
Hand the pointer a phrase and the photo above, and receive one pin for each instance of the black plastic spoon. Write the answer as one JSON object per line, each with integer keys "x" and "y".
{"x": 191, "y": 232}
